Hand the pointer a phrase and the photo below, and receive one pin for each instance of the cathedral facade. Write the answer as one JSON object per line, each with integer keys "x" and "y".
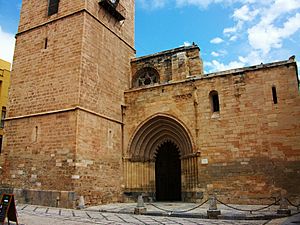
{"x": 87, "y": 118}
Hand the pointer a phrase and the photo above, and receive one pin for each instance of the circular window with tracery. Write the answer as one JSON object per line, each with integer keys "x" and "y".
{"x": 146, "y": 76}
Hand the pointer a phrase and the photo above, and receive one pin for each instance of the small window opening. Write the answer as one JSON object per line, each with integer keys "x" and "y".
{"x": 3, "y": 115}
{"x": 110, "y": 138}
{"x": 215, "y": 101}
{"x": 52, "y": 7}
{"x": 46, "y": 43}
{"x": 36, "y": 133}
{"x": 274, "y": 93}
{"x": 1, "y": 138}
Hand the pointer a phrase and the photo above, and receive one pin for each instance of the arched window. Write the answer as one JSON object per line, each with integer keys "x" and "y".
{"x": 214, "y": 101}
{"x": 146, "y": 76}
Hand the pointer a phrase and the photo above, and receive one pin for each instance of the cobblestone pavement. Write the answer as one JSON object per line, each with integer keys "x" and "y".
{"x": 40, "y": 215}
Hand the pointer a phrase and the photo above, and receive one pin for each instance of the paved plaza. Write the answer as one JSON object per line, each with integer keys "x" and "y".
{"x": 119, "y": 214}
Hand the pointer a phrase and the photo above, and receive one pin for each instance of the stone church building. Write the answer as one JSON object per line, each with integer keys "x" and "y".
{"x": 87, "y": 118}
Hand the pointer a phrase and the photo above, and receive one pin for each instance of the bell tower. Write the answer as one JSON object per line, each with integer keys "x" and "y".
{"x": 64, "y": 126}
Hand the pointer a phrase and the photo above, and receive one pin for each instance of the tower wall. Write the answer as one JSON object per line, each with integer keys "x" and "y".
{"x": 64, "y": 119}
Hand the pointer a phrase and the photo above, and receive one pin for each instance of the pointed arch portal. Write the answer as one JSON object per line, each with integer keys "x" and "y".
{"x": 155, "y": 132}
{"x": 160, "y": 149}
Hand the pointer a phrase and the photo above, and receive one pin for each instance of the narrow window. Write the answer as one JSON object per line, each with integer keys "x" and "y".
{"x": 0, "y": 88}
{"x": 46, "y": 43}
{"x": 110, "y": 138}
{"x": 1, "y": 138}
{"x": 3, "y": 114}
{"x": 52, "y": 7}
{"x": 36, "y": 133}
{"x": 274, "y": 93}
{"x": 214, "y": 99}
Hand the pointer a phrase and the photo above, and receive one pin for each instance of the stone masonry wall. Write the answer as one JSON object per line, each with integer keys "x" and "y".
{"x": 47, "y": 79}
{"x": 99, "y": 162}
{"x": 250, "y": 150}
{"x": 39, "y": 149}
{"x": 65, "y": 116}
{"x": 103, "y": 80}
{"x": 31, "y": 18}
{"x": 105, "y": 72}
{"x": 39, "y": 154}
{"x": 123, "y": 29}
{"x": 172, "y": 65}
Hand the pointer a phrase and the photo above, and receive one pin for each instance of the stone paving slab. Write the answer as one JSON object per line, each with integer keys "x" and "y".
{"x": 39, "y": 215}
{"x": 179, "y": 210}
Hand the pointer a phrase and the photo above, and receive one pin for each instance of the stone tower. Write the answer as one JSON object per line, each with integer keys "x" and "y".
{"x": 64, "y": 125}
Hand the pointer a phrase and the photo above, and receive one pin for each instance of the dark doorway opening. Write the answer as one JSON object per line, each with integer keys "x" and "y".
{"x": 168, "y": 173}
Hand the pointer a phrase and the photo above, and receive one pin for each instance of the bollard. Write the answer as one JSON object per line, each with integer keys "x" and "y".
{"x": 213, "y": 212}
{"x": 57, "y": 201}
{"x": 81, "y": 203}
{"x": 140, "y": 207}
{"x": 283, "y": 208}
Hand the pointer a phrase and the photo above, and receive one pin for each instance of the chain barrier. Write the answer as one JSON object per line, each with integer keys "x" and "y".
{"x": 229, "y": 206}
{"x": 181, "y": 211}
{"x": 296, "y": 206}
{"x": 247, "y": 210}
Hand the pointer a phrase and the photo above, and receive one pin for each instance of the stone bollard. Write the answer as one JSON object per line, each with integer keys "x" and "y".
{"x": 81, "y": 204}
{"x": 283, "y": 208}
{"x": 213, "y": 212}
{"x": 57, "y": 201}
{"x": 140, "y": 207}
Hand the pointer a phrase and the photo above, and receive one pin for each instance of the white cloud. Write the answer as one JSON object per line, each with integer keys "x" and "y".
{"x": 152, "y": 4}
{"x": 7, "y": 45}
{"x": 233, "y": 38}
{"x": 229, "y": 30}
{"x": 216, "y": 40}
{"x": 244, "y": 13}
{"x": 267, "y": 36}
{"x": 215, "y": 54}
{"x": 277, "y": 9}
{"x": 199, "y": 3}
{"x": 206, "y": 3}
{"x": 253, "y": 58}
{"x": 219, "y": 53}
{"x": 215, "y": 65}
{"x": 187, "y": 43}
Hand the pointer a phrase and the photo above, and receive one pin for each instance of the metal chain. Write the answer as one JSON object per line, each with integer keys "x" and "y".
{"x": 247, "y": 210}
{"x": 181, "y": 211}
{"x": 297, "y": 206}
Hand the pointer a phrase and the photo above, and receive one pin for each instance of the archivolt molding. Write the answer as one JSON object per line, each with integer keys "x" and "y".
{"x": 154, "y": 132}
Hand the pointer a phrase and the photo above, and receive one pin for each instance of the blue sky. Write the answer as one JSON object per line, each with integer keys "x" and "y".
{"x": 230, "y": 33}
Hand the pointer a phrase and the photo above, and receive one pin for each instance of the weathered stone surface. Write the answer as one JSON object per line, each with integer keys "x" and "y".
{"x": 64, "y": 122}
{"x": 248, "y": 152}
{"x": 80, "y": 125}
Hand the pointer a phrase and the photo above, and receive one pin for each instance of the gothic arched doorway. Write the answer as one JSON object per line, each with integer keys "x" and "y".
{"x": 168, "y": 173}
{"x": 160, "y": 155}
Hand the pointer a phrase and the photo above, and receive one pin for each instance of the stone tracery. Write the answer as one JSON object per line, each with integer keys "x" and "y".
{"x": 146, "y": 76}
